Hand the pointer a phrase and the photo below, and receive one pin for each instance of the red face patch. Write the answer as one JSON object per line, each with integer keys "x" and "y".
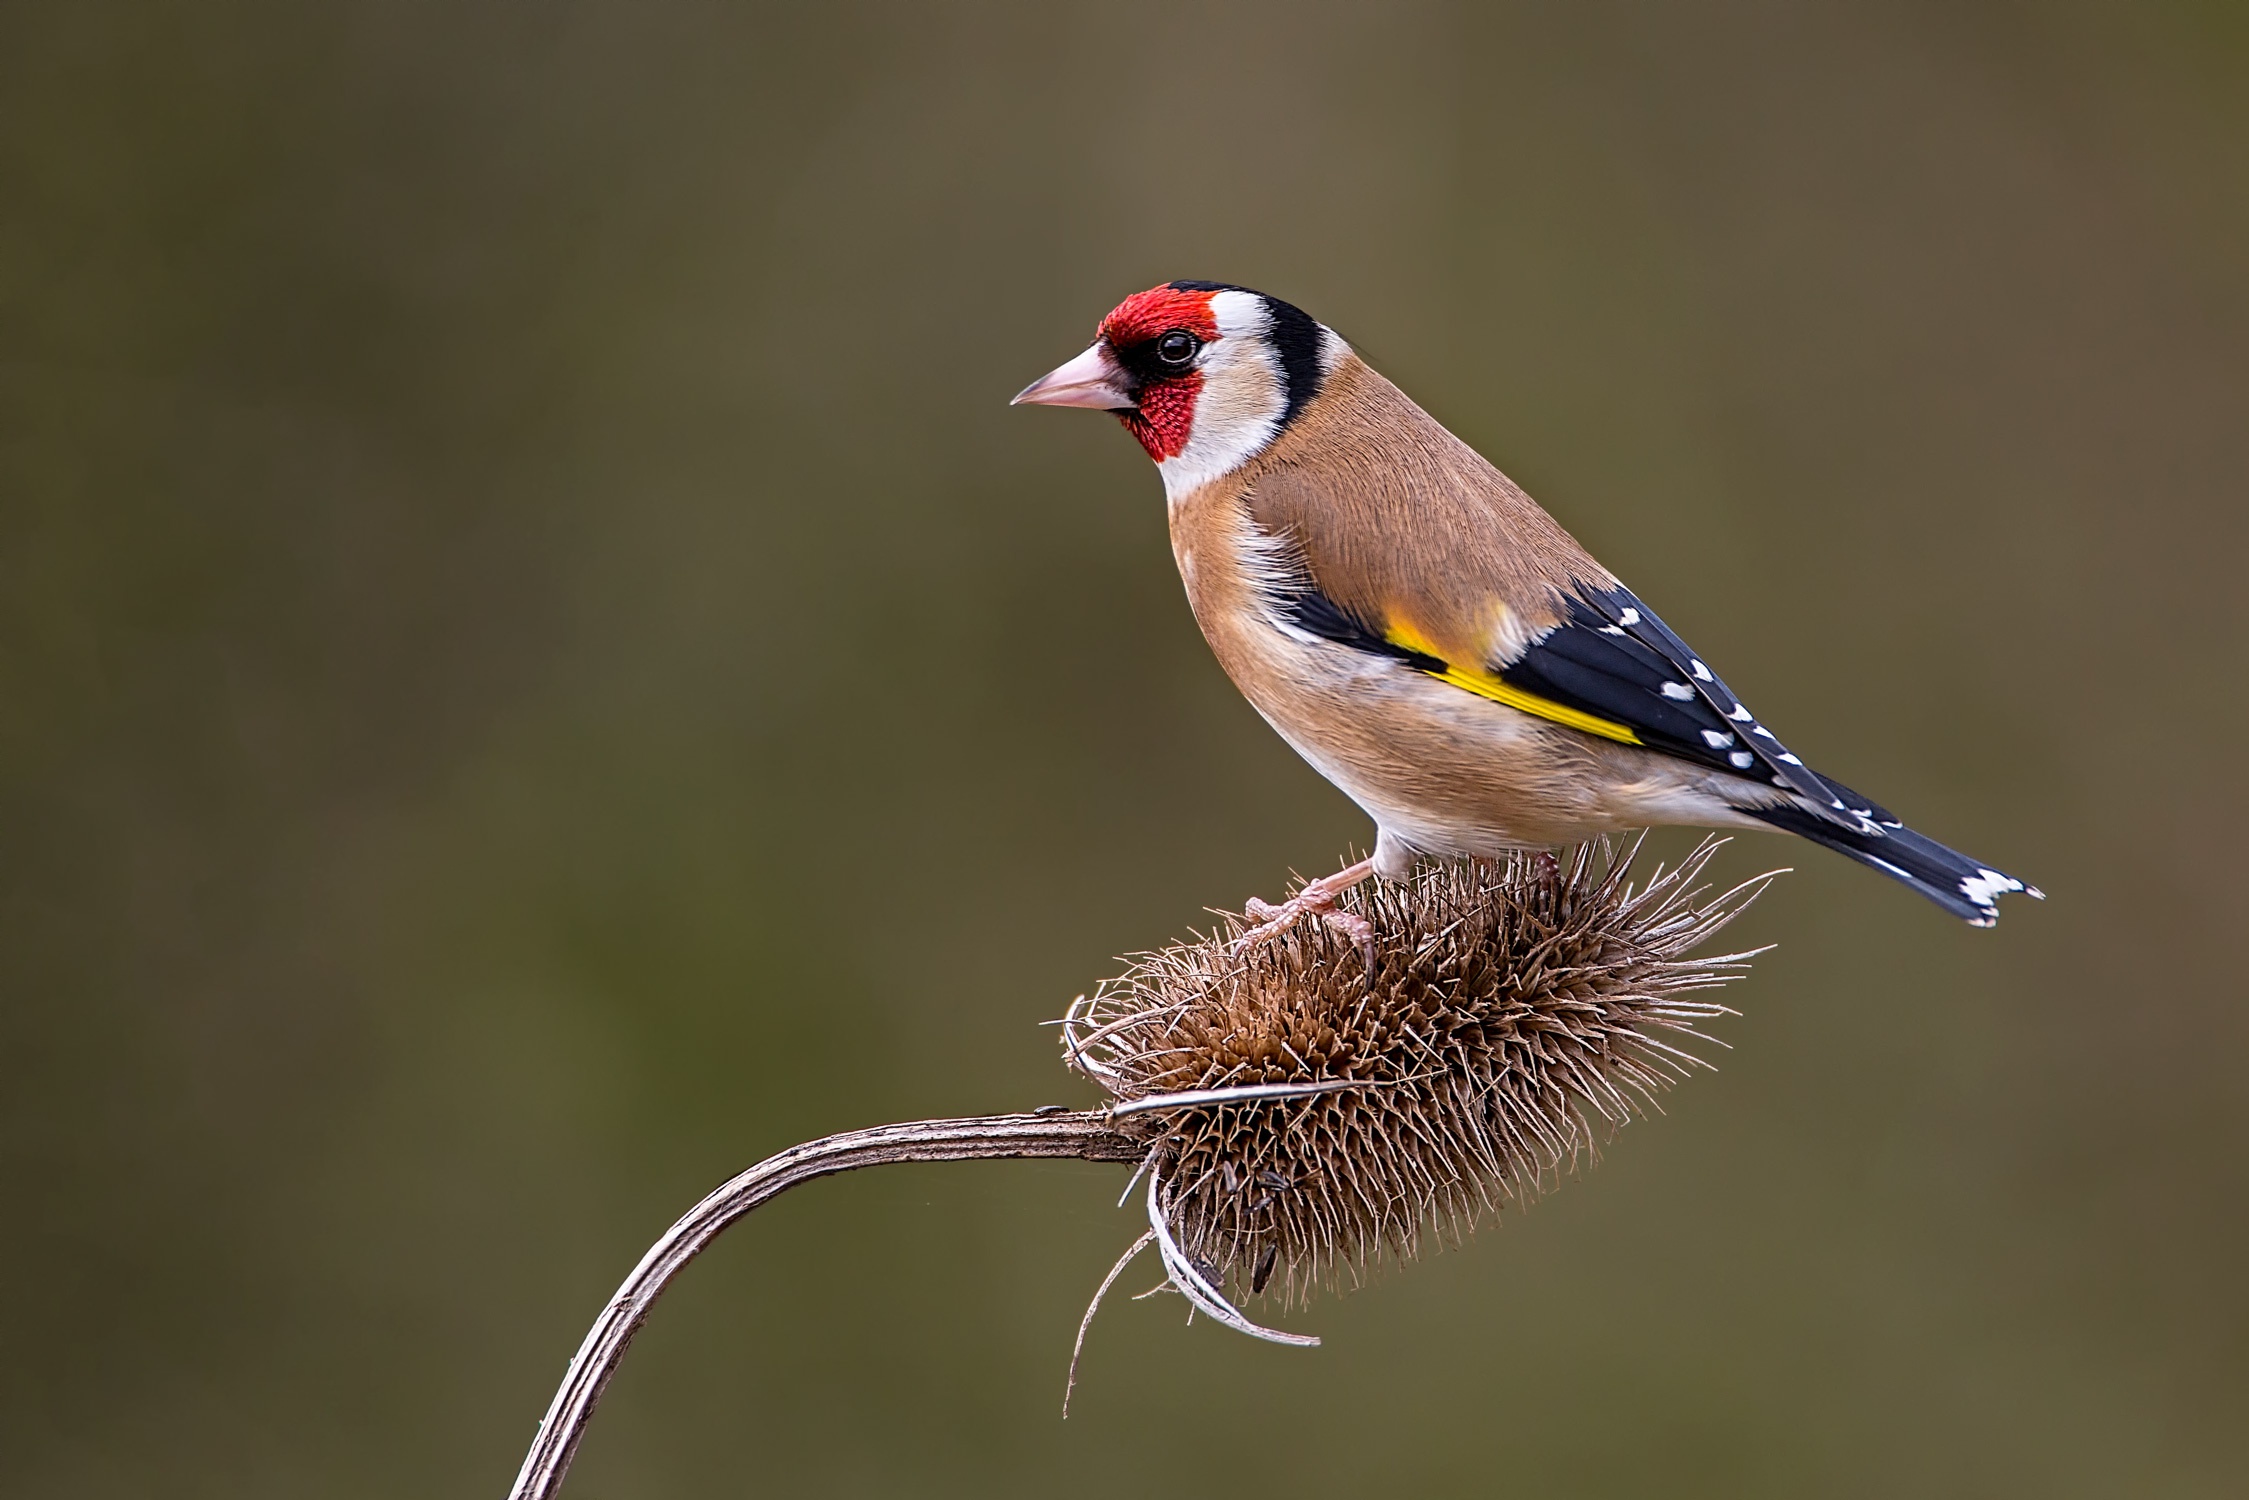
{"x": 1144, "y": 315}
{"x": 1166, "y": 418}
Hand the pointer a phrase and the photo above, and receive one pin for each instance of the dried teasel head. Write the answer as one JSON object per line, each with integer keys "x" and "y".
{"x": 1302, "y": 1106}
{"x": 1307, "y": 1115}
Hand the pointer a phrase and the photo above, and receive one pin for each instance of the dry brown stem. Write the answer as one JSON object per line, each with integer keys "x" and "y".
{"x": 1087, "y": 1136}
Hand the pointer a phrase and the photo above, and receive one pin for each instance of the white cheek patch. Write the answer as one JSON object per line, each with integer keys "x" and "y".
{"x": 1243, "y": 398}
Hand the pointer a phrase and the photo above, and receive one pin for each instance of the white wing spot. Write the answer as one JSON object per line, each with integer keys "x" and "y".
{"x": 1702, "y": 673}
{"x": 1612, "y": 630}
{"x": 1760, "y": 729}
{"x": 1741, "y": 714}
{"x": 1790, "y": 759}
{"x": 1717, "y": 739}
{"x": 1742, "y": 760}
{"x": 1630, "y": 616}
{"x": 1985, "y": 887}
{"x": 1678, "y": 690}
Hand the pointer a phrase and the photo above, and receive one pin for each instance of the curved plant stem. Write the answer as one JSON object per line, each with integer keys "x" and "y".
{"x": 1085, "y": 1135}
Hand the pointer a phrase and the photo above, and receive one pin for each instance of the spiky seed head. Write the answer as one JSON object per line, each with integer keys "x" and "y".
{"x": 1515, "y": 1015}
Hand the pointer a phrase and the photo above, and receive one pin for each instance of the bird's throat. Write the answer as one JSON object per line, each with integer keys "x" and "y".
{"x": 1164, "y": 421}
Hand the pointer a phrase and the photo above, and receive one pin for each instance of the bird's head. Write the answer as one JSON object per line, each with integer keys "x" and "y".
{"x": 1204, "y": 374}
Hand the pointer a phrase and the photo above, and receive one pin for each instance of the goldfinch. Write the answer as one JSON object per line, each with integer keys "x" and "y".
{"x": 1418, "y": 629}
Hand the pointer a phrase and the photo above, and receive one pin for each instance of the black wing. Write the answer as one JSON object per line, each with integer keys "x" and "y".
{"x": 1615, "y": 664}
{"x": 1614, "y": 659}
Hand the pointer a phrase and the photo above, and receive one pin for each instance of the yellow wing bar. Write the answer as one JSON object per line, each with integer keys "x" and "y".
{"x": 1488, "y": 685}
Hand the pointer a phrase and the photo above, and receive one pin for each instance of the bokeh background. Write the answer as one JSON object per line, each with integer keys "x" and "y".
{"x": 537, "y": 667}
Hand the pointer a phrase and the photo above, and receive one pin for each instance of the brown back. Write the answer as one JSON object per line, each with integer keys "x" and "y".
{"x": 1402, "y": 523}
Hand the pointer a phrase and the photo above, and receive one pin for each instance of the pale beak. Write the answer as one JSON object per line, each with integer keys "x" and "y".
{"x": 1093, "y": 379}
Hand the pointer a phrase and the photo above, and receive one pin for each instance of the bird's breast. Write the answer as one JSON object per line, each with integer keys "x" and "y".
{"x": 1449, "y": 771}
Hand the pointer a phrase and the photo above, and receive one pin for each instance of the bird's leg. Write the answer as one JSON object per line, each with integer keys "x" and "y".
{"x": 1316, "y": 899}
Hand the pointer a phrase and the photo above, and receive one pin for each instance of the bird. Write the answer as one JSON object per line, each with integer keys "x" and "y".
{"x": 1425, "y": 635}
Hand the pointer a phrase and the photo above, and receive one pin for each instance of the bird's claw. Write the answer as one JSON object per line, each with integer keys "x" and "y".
{"x": 1317, "y": 899}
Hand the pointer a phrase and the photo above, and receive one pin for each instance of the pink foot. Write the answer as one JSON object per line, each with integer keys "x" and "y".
{"x": 1316, "y": 899}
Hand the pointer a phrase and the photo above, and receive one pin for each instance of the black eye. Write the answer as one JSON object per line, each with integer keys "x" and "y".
{"x": 1177, "y": 349}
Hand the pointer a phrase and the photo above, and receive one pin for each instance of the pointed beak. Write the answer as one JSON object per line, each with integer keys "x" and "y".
{"x": 1093, "y": 379}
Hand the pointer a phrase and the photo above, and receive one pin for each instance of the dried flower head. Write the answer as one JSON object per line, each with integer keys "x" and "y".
{"x": 1306, "y": 1114}
{"x": 1302, "y": 1103}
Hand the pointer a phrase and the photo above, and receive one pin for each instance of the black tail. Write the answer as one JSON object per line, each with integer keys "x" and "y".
{"x": 1965, "y": 887}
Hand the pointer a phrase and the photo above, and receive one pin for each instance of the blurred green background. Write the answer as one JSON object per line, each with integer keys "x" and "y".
{"x": 538, "y": 667}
